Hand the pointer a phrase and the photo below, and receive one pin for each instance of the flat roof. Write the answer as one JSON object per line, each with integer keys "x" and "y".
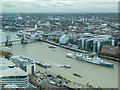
{"x": 23, "y": 59}
{"x": 111, "y": 47}
{"x": 13, "y": 72}
{"x": 6, "y": 62}
{"x": 3, "y": 68}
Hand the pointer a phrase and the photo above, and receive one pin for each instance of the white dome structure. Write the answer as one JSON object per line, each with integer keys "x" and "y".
{"x": 65, "y": 39}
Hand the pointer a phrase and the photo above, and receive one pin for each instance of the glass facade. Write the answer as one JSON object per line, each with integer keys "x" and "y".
{"x": 20, "y": 81}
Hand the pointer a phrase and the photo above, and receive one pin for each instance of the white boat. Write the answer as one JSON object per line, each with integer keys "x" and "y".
{"x": 94, "y": 60}
{"x": 66, "y": 66}
{"x": 46, "y": 65}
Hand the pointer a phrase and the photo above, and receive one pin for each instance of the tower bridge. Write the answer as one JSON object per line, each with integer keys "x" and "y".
{"x": 23, "y": 40}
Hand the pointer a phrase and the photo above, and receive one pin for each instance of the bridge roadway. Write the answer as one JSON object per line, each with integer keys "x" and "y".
{"x": 20, "y": 40}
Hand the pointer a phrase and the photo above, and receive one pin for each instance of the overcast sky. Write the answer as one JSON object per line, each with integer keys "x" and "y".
{"x": 59, "y": 6}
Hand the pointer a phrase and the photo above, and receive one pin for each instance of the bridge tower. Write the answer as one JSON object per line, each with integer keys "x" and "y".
{"x": 23, "y": 39}
{"x": 8, "y": 38}
{"x": 40, "y": 36}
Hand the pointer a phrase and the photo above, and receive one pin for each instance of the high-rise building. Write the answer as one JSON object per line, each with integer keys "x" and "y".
{"x": 94, "y": 43}
{"x": 9, "y": 74}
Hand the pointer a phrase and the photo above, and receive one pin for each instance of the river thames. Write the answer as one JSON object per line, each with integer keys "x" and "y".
{"x": 96, "y": 75}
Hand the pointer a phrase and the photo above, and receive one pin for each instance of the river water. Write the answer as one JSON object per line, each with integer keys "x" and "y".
{"x": 96, "y": 75}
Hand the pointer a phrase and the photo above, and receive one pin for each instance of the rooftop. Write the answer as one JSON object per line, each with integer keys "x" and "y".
{"x": 13, "y": 72}
{"x": 5, "y": 69}
{"x": 5, "y": 62}
{"x": 111, "y": 47}
{"x": 23, "y": 59}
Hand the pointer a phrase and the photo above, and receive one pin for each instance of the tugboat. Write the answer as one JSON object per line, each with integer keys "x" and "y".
{"x": 52, "y": 47}
{"x": 66, "y": 66}
{"x": 75, "y": 74}
{"x": 86, "y": 58}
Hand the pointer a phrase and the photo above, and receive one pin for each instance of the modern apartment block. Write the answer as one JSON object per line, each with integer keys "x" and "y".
{"x": 94, "y": 42}
{"x": 11, "y": 75}
{"x": 26, "y": 64}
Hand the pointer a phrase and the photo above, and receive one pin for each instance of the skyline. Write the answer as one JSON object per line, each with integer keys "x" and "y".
{"x": 59, "y": 7}
{"x": 59, "y": 44}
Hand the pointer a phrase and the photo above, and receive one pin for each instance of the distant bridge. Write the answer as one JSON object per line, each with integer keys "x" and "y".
{"x": 19, "y": 40}
{"x": 24, "y": 39}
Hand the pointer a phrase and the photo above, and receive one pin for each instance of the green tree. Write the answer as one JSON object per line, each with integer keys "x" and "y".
{"x": 6, "y": 54}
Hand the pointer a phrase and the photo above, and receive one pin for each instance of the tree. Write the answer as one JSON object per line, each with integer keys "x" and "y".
{"x": 82, "y": 48}
{"x": 90, "y": 50}
{"x": 6, "y": 54}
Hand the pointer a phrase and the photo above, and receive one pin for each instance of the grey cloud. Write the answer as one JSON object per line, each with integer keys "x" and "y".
{"x": 60, "y": 6}
{"x": 64, "y": 4}
{"x": 8, "y": 5}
